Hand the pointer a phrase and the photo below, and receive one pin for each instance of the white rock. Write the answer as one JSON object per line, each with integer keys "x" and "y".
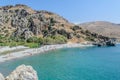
{"x": 23, "y": 73}
{"x": 1, "y": 77}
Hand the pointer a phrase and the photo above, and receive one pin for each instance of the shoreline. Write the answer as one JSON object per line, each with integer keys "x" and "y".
{"x": 41, "y": 50}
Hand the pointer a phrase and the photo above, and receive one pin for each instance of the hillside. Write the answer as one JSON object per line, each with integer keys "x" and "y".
{"x": 103, "y": 28}
{"x": 20, "y": 23}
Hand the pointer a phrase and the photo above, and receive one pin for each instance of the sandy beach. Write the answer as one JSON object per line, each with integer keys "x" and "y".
{"x": 32, "y": 51}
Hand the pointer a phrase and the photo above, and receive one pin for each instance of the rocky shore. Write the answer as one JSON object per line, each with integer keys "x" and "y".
{"x": 108, "y": 42}
{"x": 22, "y": 72}
{"x": 42, "y": 49}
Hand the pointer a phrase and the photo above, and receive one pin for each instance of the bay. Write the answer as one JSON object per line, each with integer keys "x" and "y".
{"x": 87, "y": 63}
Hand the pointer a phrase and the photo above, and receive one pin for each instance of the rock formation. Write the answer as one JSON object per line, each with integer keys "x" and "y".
{"x": 110, "y": 42}
{"x": 21, "y": 22}
{"x": 1, "y": 77}
{"x": 22, "y": 73}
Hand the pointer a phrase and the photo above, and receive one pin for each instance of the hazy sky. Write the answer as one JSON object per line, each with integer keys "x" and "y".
{"x": 76, "y": 11}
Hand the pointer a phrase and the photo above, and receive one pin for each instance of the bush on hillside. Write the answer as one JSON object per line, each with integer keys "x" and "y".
{"x": 59, "y": 39}
{"x": 33, "y": 39}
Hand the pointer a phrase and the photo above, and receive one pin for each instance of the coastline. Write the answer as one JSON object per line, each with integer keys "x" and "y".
{"x": 33, "y": 51}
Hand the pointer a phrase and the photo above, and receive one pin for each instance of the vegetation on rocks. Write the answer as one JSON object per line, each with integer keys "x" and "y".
{"x": 21, "y": 25}
{"x": 33, "y": 42}
{"x": 104, "y": 28}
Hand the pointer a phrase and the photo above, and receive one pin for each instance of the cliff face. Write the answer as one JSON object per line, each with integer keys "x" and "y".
{"x": 20, "y": 21}
{"x": 22, "y": 73}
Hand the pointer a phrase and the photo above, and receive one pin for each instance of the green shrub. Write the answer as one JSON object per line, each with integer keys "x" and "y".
{"x": 2, "y": 44}
{"x": 41, "y": 41}
{"x": 48, "y": 40}
{"x": 32, "y": 42}
{"x": 56, "y": 39}
{"x": 32, "y": 45}
{"x": 59, "y": 39}
{"x": 90, "y": 38}
{"x": 76, "y": 28}
{"x": 33, "y": 39}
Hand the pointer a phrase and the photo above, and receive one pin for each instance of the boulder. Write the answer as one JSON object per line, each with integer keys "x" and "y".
{"x": 1, "y": 77}
{"x": 23, "y": 73}
{"x": 109, "y": 42}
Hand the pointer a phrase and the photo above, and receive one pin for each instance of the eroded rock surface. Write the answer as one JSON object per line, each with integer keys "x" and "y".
{"x": 21, "y": 73}
{"x": 1, "y": 77}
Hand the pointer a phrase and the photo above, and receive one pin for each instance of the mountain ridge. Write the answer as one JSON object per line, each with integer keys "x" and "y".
{"x": 104, "y": 28}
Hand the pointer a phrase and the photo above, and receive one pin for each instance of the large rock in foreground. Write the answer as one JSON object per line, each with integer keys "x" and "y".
{"x": 1, "y": 77}
{"x": 23, "y": 73}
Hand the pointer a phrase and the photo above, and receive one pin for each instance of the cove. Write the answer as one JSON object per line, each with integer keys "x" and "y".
{"x": 87, "y": 63}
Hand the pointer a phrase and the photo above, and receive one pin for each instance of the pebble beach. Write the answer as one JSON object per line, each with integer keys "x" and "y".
{"x": 33, "y": 51}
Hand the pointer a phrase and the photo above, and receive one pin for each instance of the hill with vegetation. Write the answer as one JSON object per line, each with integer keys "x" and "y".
{"x": 103, "y": 28}
{"x": 21, "y": 25}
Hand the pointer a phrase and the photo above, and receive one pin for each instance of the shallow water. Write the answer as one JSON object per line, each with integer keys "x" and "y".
{"x": 91, "y": 63}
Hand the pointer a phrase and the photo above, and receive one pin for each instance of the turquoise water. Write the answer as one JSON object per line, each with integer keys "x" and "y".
{"x": 92, "y": 63}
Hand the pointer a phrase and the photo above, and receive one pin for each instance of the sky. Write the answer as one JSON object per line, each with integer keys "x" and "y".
{"x": 76, "y": 11}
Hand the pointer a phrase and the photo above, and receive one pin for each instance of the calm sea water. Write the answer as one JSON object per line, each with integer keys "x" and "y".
{"x": 91, "y": 63}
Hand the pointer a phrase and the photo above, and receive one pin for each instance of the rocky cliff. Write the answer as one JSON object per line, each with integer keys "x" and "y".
{"x": 20, "y": 21}
{"x": 21, "y": 73}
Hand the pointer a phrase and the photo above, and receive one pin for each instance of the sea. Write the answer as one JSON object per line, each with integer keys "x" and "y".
{"x": 86, "y": 63}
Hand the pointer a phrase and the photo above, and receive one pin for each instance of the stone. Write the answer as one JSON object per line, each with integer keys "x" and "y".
{"x": 1, "y": 77}
{"x": 23, "y": 73}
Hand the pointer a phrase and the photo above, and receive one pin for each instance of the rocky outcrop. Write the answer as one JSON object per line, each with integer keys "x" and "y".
{"x": 22, "y": 73}
{"x": 109, "y": 42}
{"x": 1, "y": 77}
{"x": 21, "y": 22}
